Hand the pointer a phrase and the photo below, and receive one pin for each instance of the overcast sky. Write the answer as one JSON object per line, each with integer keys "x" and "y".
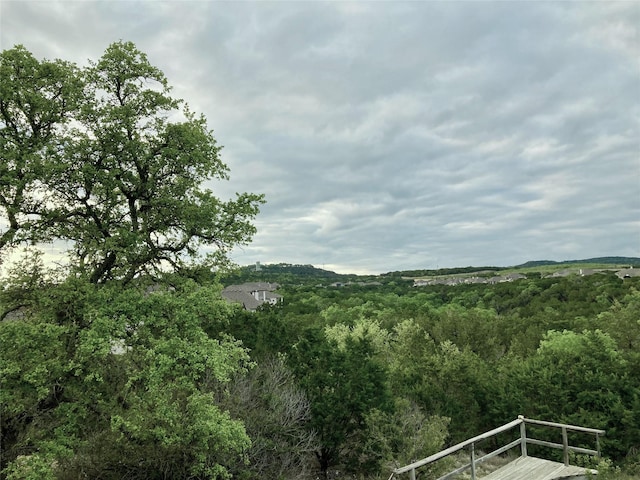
{"x": 393, "y": 136}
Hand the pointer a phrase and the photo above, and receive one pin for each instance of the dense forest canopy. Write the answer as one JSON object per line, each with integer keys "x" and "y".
{"x": 463, "y": 358}
{"x": 127, "y": 363}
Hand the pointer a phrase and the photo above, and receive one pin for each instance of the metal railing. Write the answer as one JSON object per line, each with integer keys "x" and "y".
{"x": 522, "y": 442}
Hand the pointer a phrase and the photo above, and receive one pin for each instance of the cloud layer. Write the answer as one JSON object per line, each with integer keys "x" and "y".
{"x": 391, "y": 136}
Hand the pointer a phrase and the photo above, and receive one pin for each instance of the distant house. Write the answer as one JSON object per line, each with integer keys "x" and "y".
{"x": 510, "y": 277}
{"x": 564, "y": 273}
{"x": 628, "y": 273}
{"x": 252, "y": 295}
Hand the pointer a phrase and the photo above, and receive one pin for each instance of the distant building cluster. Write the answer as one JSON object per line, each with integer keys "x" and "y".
{"x": 253, "y": 294}
{"x": 359, "y": 284}
{"x": 466, "y": 280}
{"x": 459, "y": 280}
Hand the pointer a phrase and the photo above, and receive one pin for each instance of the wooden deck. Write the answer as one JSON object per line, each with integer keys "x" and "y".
{"x": 524, "y": 467}
{"x": 532, "y": 468}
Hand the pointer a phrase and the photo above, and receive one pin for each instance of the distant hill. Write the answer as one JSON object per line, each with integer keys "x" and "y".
{"x": 635, "y": 261}
{"x": 441, "y": 271}
{"x": 305, "y": 274}
{"x": 547, "y": 264}
{"x": 284, "y": 273}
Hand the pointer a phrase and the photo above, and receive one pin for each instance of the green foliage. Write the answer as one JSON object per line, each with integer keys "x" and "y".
{"x": 32, "y": 467}
{"x": 401, "y": 437}
{"x": 631, "y": 465}
{"x": 122, "y": 385}
{"x": 362, "y": 331}
{"x": 622, "y": 322}
{"x": 31, "y": 368}
{"x": 381, "y": 376}
{"x": 36, "y": 100}
{"x": 122, "y": 182}
{"x": 343, "y": 384}
{"x": 579, "y": 379}
{"x": 477, "y": 354}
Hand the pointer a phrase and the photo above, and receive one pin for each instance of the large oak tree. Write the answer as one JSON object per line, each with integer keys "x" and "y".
{"x": 106, "y": 160}
{"x": 100, "y": 375}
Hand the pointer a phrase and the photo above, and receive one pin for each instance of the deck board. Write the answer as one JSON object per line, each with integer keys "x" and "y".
{"x": 532, "y": 468}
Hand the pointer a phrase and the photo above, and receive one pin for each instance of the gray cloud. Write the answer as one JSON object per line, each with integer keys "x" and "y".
{"x": 397, "y": 135}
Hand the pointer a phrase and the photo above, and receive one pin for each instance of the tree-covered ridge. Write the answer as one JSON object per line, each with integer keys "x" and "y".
{"x": 622, "y": 261}
{"x": 286, "y": 273}
{"x": 282, "y": 273}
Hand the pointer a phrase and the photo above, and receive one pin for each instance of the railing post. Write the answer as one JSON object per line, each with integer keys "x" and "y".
{"x": 565, "y": 446}
{"x": 523, "y": 437}
{"x": 412, "y": 474}
{"x": 598, "y": 444}
{"x": 473, "y": 461}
